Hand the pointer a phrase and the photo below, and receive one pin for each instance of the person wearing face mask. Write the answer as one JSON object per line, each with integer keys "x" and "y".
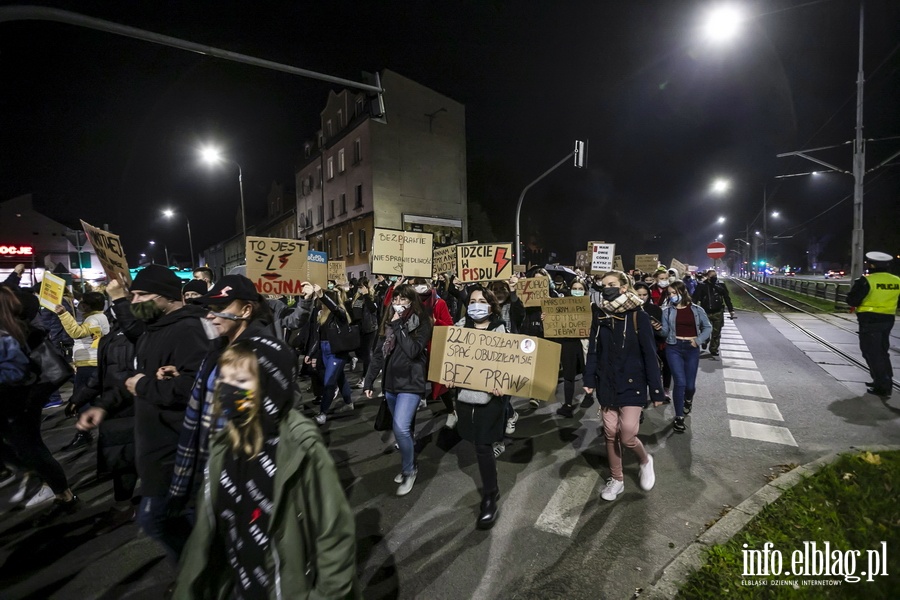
{"x": 193, "y": 289}
{"x": 401, "y": 354}
{"x": 332, "y": 316}
{"x": 532, "y": 322}
{"x": 172, "y": 336}
{"x": 236, "y": 312}
{"x": 622, "y": 367}
{"x": 713, "y": 297}
{"x": 686, "y": 327}
{"x": 571, "y": 360}
{"x": 364, "y": 310}
{"x": 655, "y": 312}
{"x": 437, "y": 309}
{"x": 658, "y": 290}
{"x": 272, "y": 520}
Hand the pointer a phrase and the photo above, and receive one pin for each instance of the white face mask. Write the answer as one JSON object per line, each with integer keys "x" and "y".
{"x": 421, "y": 288}
{"x": 399, "y": 308}
{"x": 663, "y": 283}
{"x": 577, "y": 293}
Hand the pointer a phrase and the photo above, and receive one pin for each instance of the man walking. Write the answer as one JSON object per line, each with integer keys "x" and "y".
{"x": 875, "y": 298}
{"x": 713, "y": 297}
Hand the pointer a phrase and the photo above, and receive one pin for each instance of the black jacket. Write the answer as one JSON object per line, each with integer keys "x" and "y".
{"x": 712, "y": 297}
{"x": 175, "y": 339}
{"x": 338, "y": 314}
{"x": 406, "y": 368}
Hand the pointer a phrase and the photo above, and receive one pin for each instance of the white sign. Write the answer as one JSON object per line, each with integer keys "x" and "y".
{"x": 602, "y": 258}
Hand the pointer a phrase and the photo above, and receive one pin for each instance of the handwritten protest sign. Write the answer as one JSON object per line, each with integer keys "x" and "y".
{"x": 444, "y": 260}
{"x": 680, "y": 267}
{"x": 590, "y": 245}
{"x": 583, "y": 260}
{"x": 317, "y": 268}
{"x": 52, "y": 288}
{"x": 519, "y": 268}
{"x": 646, "y": 263}
{"x": 532, "y": 290}
{"x": 484, "y": 361}
{"x": 484, "y": 262}
{"x": 417, "y": 248}
{"x": 568, "y": 317}
{"x": 276, "y": 265}
{"x": 602, "y": 258}
{"x": 109, "y": 252}
{"x": 406, "y": 253}
{"x": 337, "y": 271}
{"x": 617, "y": 263}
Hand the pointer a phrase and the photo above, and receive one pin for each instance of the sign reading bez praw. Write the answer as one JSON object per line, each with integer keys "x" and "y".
{"x": 275, "y": 265}
{"x": 486, "y": 361}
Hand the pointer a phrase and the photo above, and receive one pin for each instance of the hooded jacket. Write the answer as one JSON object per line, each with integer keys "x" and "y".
{"x": 406, "y": 367}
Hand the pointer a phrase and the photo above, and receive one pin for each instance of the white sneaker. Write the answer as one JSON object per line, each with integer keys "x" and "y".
{"x": 534, "y": 403}
{"x": 19, "y": 494}
{"x": 511, "y": 423}
{"x": 347, "y": 407}
{"x": 407, "y": 485}
{"x": 44, "y": 495}
{"x": 613, "y": 488}
{"x": 647, "y": 475}
{"x": 499, "y": 448}
{"x": 353, "y": 362}
{"x": 398, "y": 478}
{"x": 359, "y": 385}
{"x": 422, "y": 404}
{"x": 320, "y": 418}
{"x": 452, "y": 419}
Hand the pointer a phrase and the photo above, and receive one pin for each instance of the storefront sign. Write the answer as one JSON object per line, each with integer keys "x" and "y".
{"x": 16, "y": 250}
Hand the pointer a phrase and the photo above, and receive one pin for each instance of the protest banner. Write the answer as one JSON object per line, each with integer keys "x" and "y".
{"x": 693, "y": 268}
{"x": 680, "y": 267}
{"x": 406, "y": 253}
{"x": 568, "y": 317}
{"x": 109, "y": 252}
{"x": 337, "y": 271}
{"x": 617, "y": 263}
{"x": 483, "y": 360}
{"x": 52, "y": 288}
{"x": 517, "y": 269}
{"x": 484, "y": 262}
{"x": 646, "y": 263}
{"x": 602, "y": 258}
{"x": 590, "y": 246}
{"x": 276, "y": 265}
{"x": 317, "y": 268}
{"x": 532, "y": 290}
{"x": 417, "y": 249}
{"x": 443, "y": 260}
{"x": 583, "y": 260}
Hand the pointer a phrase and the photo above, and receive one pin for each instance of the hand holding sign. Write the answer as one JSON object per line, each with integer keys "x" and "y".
{"x": 276, "y": 266}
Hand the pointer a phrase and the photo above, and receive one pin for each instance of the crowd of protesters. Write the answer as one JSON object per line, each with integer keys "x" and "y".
{"x": 196, "y": 392}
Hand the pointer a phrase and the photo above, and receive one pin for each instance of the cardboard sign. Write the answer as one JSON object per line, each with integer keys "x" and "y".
{"x": 337, "y": 271}
{"x": 679, "y": 267}
{"x": 317, "y": 268}
{"x": 568, "y": 317}
{"x": 406, "y": 253}
{"x": 590, "y": 246}
{"x": 52, "y": 288}
{"x": 646, "y": 263}
{"x": 483, "y": 360}
{"x": 109, "y": 252}
{"x": 617, "y": 263}
{"x": 532, "y": 290}
{"x": 583, "y": 260}
{"x": 519, "y": 269}
{"x": 443, "y": 260}
{"x": 602, "y": 258}
{"x": 484, "y": 262}
{"x": 276, "y": 265}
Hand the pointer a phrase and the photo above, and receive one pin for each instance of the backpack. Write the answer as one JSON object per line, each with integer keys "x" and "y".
{"x": 713, "y": 302}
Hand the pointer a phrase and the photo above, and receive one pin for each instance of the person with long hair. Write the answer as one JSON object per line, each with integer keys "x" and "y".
{"x": 330, "y": 364}
{"x": 401, "y": 353}
{"x": 686, "y": 327}
{"x": 364, "y": 310}
{"x": 571, "y": 359}
{"x": 272, "y": 518}
{"x": 621, "y": 366}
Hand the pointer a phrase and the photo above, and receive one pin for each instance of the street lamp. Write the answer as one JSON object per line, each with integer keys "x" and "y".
{"x": 721, "y": 219}
{"x": 722, "y": 23}
{"x": 211, "y": 156}
{"x": 165, "y": 248}
{"x": 720, "y": 186}
{"x": 169, "y": 213}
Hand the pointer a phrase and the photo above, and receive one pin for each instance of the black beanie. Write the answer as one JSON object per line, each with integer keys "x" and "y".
{"x": 157, "y": 279}
{"x": 195, "y": 285}
{"x": 277, "y": 362}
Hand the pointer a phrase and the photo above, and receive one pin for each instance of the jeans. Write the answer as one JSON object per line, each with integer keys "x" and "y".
{"x": 334, "y": 377}
{"x": 172, "y": 532}
{"x": 403, "y": 407}
{"x": 684, "y": 359}
{"x": 717, "y": 319}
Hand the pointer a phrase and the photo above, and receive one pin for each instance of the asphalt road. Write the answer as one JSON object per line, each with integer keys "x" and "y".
{"x": 766, "y": 405}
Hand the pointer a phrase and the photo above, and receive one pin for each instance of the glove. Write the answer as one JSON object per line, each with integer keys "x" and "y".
{"x": 71, "y": 409}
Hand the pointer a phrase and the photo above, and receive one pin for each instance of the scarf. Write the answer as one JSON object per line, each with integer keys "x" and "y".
{"x": 624, "y": 303}
{"x": 390, "y": 338}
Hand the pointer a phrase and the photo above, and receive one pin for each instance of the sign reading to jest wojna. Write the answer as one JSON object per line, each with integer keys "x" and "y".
{"x": 485, "y": 361}
{"x": 109, "y": 252}
{"x": 276, "y": 265}
{"x": 483, "y": 262}
{"x": 568, "y": 317}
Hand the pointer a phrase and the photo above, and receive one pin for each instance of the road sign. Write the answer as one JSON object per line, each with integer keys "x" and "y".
{"x": 715, "y": 250}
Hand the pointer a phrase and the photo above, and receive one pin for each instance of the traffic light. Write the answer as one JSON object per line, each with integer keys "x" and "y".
{"x": 753, "y": 263}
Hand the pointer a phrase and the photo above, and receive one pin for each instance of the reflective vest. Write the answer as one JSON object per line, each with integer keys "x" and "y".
{"x": 884, "y": 289}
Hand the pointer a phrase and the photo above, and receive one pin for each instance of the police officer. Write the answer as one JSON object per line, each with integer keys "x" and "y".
{"x": 875, "y": 297}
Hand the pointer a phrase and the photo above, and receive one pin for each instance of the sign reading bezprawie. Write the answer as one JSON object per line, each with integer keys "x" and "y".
{"x": 406, "y": 253}
{"x": 568, "y": 317}
{"x": 483, "y": 262}
{"x": 276, "y": 265}
{"x": 109, "y": 252}
{"x": 485, "y": 361}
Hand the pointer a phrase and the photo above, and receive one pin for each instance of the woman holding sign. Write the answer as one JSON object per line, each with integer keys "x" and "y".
{"x": 621, "y": 366}
{"x": 571, "y": 360}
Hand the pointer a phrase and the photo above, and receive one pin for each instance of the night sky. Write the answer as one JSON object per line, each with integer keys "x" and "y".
{"x": 106, "y": 128}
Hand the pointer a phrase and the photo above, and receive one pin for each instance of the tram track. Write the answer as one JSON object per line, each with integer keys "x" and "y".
{"x": 746, "y": 287}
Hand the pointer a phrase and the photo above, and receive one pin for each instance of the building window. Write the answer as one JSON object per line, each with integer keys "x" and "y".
{"x": 340, "y": 119}
{"x": 307, "y": 150}
{"x": 363, "y": 242}
{"x": 359, "y": 106}
{"x": 340, "y": 246}
{"x": 357, "y": 151}
{"x": 349, "y": 243}
{"x": 329, "y": 128}
{"x": 342, "y": 165}
{"x": 319, "y": 221}
{"x": 309, "y": 185}
{"x": 328, "y": 246}
{"x": 309, "y": 218}
{"x": 331, "y": 209}
{"x": 359, "y": 199}
{"x": 343, "y": 204}
{"x": 330, "y": 168}
{"x": 319, "y": 175}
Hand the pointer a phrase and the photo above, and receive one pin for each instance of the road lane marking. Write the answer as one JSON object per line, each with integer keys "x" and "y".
{"x": 753, "y": 408}
{"x": 736, "y": 354}
{"x": 738, "y": 363}
{"x": 754, "y": 390}
{"x": 761, "y": 432}
{"x": 742, "y": 374}
{"x": 562, "y": 512}
{"x": 734, "y": 347}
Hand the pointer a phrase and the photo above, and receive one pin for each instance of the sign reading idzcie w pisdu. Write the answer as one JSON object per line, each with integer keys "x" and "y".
{"x": 568, "y": 317}
{"x": 276, "y": 266}
{"x": 484, "y": 262}
{"x": 485, "y": 361}
{"x": 109, "y": 252}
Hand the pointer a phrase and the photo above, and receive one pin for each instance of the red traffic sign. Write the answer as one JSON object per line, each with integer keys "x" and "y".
{"x": 715, "y": 250}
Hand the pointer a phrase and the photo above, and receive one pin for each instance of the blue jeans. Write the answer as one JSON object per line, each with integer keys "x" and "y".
{"x": 683, "y": 361}
{"x": 172, "y": 532}
{"x": 403, "y": 408}
{"x": 333, "y": 377}
{"x": 82, "y": 376}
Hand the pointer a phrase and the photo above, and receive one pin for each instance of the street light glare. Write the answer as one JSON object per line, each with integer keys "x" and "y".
{"x": 210, "y": 155}
{"x": 775, "y": 213}
{"x": 722, "y": 23}
{"x": 720, "y": 236}
{"x": 152, "y": 242}
{"x": 720, "y": 186}
{"x": 721, "y": 219}
{"x": 169, "y": 213}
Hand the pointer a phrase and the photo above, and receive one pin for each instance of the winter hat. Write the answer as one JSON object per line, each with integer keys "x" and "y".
{"x": 276, "y": 372}
{"x": 157, "y": 279}
{"x": 228, "y": 289}
{"x": 195, "y": 285}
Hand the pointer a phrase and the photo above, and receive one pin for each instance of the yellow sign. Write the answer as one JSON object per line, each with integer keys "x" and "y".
{"x": 276, "y": 265}
{"x": 109, "y": 252}
{"x": 52, "y": 288}
{"x": 406, "y": 253}
{"x": 484, "y": 262}
{"x": 532, "y": 290}
{"x": 568, "y": 317}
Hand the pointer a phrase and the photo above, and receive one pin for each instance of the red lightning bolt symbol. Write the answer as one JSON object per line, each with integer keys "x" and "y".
{"x": 284, "y": 259}
{"x": 500, "y": 260}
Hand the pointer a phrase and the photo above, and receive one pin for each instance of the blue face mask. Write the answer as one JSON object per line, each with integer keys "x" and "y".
{"x": 674, "y": 299}
{"x": 578, "y": 293}
{"x": 479, "y": 312}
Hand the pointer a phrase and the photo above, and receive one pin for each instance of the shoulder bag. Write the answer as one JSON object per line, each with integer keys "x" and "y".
{"x": 384, "y": 420}
{"x": 343, "y": 337}
{"x": 53, "y": 370}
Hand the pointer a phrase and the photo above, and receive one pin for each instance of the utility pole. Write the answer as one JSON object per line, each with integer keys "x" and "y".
{"x": 859, "y": 167}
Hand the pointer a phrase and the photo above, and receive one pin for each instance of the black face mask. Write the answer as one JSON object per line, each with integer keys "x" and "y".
{"x": 147, "y": 311}
{"x": 611, "y": 293}
{"x": 712, "y": 279}
{"x": 236, "y": 402}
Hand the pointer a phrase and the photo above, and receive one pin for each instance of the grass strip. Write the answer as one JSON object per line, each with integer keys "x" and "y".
{"x": 740, "y": 299}
{"x": 823, "y": 305}
{"x": 852, "y": 504}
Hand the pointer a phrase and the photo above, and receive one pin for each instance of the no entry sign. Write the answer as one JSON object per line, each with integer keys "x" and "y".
{"x": 715, "y": 250}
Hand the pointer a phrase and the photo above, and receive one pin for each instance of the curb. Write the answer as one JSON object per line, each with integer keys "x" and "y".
{"x": 692, "y": 558}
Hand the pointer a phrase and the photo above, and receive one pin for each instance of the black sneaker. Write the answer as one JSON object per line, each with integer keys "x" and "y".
{"x": 678, "y": 425}
{"x": 711, "y": 353}
{"x": 566, "y": 410}
{"x": 60, "y": 508}
{"x": 688, "y": 404}
{"x": 587, "y": 401}
{"x": 81, "y": 439}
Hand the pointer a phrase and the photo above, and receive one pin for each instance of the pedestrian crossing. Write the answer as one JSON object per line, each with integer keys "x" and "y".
{"x": 746, "y": 392}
